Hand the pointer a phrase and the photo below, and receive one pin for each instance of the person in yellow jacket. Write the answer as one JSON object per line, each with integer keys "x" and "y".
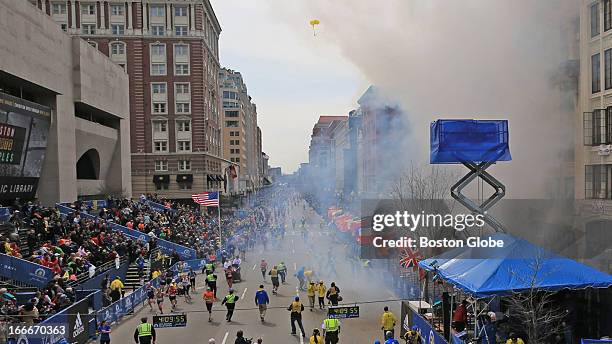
{"x": 116, "y": 288}
{"x": 316, "y": 337}
{"x": 388, "y": 321}
{"x": 322, "y": 289}
{"x": 514, "y": 339}
{"x": 310, "y": 291}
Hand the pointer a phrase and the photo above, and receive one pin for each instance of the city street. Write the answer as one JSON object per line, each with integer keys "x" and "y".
{"x": 276, "y": 328}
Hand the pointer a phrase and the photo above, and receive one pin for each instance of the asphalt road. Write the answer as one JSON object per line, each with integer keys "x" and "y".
{"x": 356, "y": 286}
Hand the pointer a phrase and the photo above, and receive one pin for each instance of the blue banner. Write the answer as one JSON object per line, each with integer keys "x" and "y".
{"x": 595, "y": 341}
{"x": 159, "y": 207}
{"x": 24, "y": 271}
{"x": 195, "y": 264}
{"x": 428, "y": 334}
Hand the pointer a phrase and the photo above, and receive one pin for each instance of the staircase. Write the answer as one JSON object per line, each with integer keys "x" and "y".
{"x": 131, "y": 278}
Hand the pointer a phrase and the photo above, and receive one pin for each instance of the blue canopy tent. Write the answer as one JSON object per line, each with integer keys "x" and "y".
{"x": 486, "y": 272}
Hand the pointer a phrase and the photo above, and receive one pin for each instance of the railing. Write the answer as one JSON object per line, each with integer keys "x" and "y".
{"x": 84, "y": 276}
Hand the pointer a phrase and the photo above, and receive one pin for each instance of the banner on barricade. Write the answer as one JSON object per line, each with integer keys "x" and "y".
{"x": 24, "y": 271}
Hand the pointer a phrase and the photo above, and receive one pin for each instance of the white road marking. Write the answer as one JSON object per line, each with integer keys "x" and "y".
{"x": 302, "y": 339}
{"x": 297, "y": 291}
{"x": 244, "y": 292}
{"x": 294, "y": 266}
{"x": 254, "y": 266}
{"x": 225, "y": 337}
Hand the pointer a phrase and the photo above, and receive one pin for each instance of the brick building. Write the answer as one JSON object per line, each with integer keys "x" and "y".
{"x": 170, "y": 51}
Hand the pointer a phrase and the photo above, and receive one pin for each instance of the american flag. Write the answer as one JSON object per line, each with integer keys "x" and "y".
{"x": 207, "y": 199}
{"x": 410, "y": 258}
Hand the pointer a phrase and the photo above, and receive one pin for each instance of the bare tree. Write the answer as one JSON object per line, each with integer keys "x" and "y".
{"x": 535, "y": 308}
{"x": 425, "y": 188}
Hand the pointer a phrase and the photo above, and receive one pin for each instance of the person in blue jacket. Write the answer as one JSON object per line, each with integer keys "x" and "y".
{"x": 389, "y": 338}
{"x": 262, "y": 300}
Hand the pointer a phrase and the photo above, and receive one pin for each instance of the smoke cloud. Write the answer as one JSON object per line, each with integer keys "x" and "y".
{"x": 468, "y": 59}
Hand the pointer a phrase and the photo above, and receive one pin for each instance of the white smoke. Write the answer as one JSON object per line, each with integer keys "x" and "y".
{"x": 465, "y": 59}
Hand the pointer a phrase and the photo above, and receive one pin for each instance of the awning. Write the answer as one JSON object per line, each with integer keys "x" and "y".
{"x": 218, "y": 178}
{"x": 209, "y": 178}
{"x": 485, "y": 272}
{"x": 161, "y": 178}
{"x": 266, "y": 181}
{"x": 184, "y": 178}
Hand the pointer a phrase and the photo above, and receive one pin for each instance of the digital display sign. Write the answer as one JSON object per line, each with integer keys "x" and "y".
{"x": 172, "y": 320}
{"x": 343, "y": 312}
{"x": 11, "y": 143}
{"x": 24, "y": 131}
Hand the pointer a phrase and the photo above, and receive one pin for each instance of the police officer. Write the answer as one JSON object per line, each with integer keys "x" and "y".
{"x": 296, "y": 308}
{"x": 211, "y": 281}
{"x": 145, "y": 333}
{"x": 230, "y": 302}
{"x": 209, "y": 268}
{"x": 331, "y": 330}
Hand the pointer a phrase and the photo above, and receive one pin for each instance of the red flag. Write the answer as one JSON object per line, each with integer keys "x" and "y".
{"x": 410, "y": 258}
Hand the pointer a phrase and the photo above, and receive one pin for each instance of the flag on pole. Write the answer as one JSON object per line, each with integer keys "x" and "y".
{"x": 207, "y": 199}
{"x": 410, "y": 258}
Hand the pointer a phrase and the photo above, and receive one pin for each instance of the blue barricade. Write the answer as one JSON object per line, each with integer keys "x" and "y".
{"x": 24, "y": 271}
{"x": 5, "y": 214}
{"x": 159, "y": 207}
{"x": 427, "y": 332}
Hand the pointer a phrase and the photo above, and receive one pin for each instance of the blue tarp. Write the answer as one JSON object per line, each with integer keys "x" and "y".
{"x": 511, "y": 269}
{"x": 456, "y": 141}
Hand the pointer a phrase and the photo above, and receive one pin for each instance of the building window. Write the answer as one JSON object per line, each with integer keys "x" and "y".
{"x": 231, "y": 124}
{"x": 181, "y": 50}
{"x": 160, "y": 146}
{"x": 159, "y": 108}
{"x": 180, "y": 11}
{"x": 118, "y": 29}
{"x": 161, "y": 186}
{"x": 158, "y": 88}
{"x": 608, "y": 69}
{"x": 158, "y": 30}
{"x": 598, "y": 127}
{"x": 181, "y": 69}
{"x": 89, "y": 29}
{"x": 158, "y": 50}
{"x": 235, "y": 151}
{"x": 180, "y": 30}
{"x": 88, "y": 9}
{"x": 183, "y": 108}
{"x": 607, "y": 15}
{"x": 161, "y": 165}
{"x": 160, "y": 126}
{"x": 58, "y": 8}
{"x": 231, "y": 113}
{"x": 230, "y": 95}
{"x": 182, "y": 88}
{"x": 598, "y": 182}
{"x": 595, "y": 19}
{"x": 183, "y": 126}
{"x": 117, "y": 48}
{"x": 595, "y": 70}
{"x": 184, "y": 165}
{"x": 234, "y": 133}
{"x": 158, "y": 69}
{"x": 158, "y": 11}
{"x": 183, "y": 146}
{"x": 230, "y": 105}
{"x": 117, "y": 10}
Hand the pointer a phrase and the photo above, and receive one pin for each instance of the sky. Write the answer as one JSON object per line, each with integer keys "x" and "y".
{"x": 292, "y": 75}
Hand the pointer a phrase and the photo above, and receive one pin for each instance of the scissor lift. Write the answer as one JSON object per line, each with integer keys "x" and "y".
{"x": 477, "y": 145}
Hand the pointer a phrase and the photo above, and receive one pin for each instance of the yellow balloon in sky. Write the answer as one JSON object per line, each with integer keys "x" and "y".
{"x": 313, "y": 23}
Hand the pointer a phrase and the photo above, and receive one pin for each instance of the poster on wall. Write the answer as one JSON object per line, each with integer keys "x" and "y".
{"x": 24, "y": 130}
